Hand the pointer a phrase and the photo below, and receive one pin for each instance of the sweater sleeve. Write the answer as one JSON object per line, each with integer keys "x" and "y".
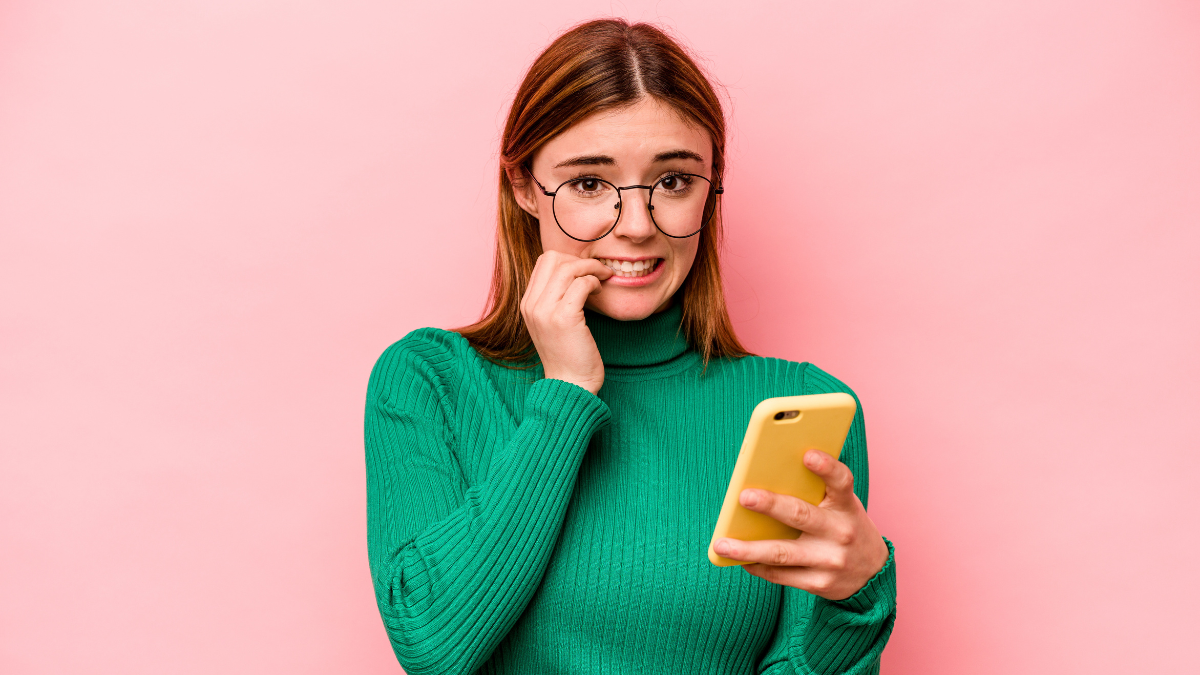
{"x": 454, "y": 564}
{"x": 819, "y": 636}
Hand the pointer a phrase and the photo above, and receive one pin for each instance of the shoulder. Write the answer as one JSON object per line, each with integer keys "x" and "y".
{"x": 817, "y": 381}
{"x": 760, "y": 368}
{"x": 424, "y": 358}
{"x": 429, "y": 344}
{"x": 799, "y": 376}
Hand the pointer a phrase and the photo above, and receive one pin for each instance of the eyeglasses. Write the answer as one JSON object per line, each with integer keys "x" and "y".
{"x": 588, "y": 208}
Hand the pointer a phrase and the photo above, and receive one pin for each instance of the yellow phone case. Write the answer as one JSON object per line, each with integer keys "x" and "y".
{"x": 771, "y": 458}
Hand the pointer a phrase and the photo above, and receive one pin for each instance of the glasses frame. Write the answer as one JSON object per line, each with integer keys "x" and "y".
{"x": 717, "y": 189}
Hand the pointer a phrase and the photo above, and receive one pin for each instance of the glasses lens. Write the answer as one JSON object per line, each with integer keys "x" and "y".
{"x": 681, "y": 203}
{"x": 587, "y": 208}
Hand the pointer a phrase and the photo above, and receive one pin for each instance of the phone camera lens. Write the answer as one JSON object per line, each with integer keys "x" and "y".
{"x": 778, "y": 416}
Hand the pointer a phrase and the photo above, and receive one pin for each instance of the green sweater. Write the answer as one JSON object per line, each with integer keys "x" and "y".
{"x": 517, "y": 524}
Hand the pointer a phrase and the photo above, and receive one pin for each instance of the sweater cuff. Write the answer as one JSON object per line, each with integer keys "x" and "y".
{"x": 879, "y": 592}
{"x": 567, "y": 404}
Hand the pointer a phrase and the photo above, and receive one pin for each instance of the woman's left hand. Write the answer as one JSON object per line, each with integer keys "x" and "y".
{"x": 839, "y": 549}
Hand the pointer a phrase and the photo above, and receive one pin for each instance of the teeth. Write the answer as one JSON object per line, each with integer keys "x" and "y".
{"x": 625, "y": 268}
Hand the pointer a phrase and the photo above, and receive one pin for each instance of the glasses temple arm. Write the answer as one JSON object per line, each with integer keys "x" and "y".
{"x": 539, "y": 184}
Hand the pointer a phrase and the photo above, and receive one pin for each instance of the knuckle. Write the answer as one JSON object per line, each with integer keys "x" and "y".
{"x": 779, "y": 554}
{"x": 800, "y": 514}
{"x": 844, "y": 535}
{"x": 822, "y": 583}
{"x": 838, "y": 561}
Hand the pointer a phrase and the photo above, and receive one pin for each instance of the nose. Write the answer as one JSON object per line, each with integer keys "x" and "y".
{"x": 635, "y": 223}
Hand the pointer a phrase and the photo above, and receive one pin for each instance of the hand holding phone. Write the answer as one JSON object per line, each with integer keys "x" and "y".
{"x": 780, "y": 431}
{"x": 782, "y": 526}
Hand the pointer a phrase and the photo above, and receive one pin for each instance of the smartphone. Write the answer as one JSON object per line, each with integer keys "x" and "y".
{"x": 781, "y": 430}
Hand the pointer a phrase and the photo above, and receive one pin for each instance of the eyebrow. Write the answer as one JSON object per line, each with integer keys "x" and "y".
{"x": 605, "y": 160}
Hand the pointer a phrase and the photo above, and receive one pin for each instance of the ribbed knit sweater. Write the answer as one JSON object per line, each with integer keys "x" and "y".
{"x": 518, "y": 524}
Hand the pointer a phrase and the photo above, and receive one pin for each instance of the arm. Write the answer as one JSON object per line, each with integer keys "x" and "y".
{"x": 815, "y": 635}
{"x": 454, "y": 565}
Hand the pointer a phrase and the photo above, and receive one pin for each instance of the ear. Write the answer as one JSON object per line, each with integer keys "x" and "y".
{"x": 524, "y": 190}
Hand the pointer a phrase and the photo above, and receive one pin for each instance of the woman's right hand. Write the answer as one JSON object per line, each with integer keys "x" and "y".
{"x": 553, "y": 310}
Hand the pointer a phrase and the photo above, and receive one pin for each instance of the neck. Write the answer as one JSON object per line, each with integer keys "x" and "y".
{"x": 655, "y": 339}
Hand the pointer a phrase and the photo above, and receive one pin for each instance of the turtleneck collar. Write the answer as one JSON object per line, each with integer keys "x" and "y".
{"x": 656, "y": 339}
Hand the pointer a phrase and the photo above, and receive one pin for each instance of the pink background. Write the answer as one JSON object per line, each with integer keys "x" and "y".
{"x": 984, "y": 216}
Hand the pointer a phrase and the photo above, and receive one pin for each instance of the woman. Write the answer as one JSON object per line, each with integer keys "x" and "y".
{"x": 543, "y": 484}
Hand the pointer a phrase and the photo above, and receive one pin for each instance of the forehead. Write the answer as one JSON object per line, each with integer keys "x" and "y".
{"x": 630, "y": 135}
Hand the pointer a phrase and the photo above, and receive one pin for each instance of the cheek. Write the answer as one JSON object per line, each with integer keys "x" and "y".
{"x": 685, "y": 254}
{"x": 553, "y": 239}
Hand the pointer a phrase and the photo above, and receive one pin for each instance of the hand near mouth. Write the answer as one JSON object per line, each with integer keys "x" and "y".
{"x": 553, "y": 311}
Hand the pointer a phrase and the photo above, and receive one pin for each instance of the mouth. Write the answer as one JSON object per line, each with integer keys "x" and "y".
{"x": 631, "y": 269}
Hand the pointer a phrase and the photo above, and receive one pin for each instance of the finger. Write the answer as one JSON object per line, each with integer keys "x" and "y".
{"x": 787, "y": 552}
{"x": 817, "y": 582}
{"x": 839, "y": 482}
{"x": 789, "y": 510}
{"x": 578, "y": 292}
{"x": 542, "y": 268}
{"x": 566, "y": 273}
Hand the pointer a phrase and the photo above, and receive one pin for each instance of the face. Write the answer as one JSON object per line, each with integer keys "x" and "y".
{"x": 624, "y": 147}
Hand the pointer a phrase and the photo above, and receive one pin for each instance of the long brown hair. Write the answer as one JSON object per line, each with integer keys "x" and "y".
{"x": 595, "y": 66}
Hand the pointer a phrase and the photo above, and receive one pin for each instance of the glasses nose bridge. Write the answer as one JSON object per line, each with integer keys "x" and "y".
{"x": 623, "y": 218}
{"x": 636, "y": 187}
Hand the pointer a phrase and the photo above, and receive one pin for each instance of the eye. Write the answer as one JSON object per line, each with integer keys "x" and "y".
{"x": 588, "y": 186}
{"x": 675, "y": 183}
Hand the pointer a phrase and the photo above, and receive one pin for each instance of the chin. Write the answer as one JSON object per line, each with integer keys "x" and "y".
{"x": 626, "y": 309}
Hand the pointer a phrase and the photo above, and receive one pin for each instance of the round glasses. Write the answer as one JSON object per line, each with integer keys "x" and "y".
{"x": 588, "y": 208}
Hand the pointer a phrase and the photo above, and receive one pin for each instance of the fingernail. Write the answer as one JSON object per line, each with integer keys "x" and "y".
{"x": 749, "y": 498}
{"x": 722, "y": 547}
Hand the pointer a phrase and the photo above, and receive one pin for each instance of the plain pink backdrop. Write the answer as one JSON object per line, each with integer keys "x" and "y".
{"x": 214, "y": 216}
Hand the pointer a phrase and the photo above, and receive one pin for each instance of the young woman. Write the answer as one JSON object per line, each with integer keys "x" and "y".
{"x": 542, "y": 485}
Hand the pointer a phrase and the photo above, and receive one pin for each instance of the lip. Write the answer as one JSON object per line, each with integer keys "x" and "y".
{"x": 637, "y": 281}
{"x": 617, "y": 257}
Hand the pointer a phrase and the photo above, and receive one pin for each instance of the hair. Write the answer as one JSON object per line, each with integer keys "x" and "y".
{"x": 606, "y": 64}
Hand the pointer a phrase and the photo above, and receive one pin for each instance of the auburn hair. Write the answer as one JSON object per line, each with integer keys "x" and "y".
{"x": 599, "y": 65}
